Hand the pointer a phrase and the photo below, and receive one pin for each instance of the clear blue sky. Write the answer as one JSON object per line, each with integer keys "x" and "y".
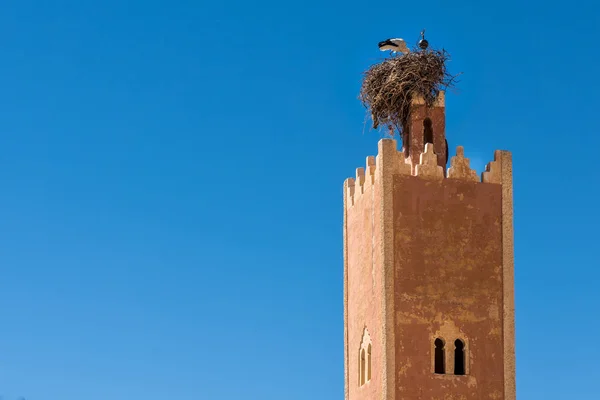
{"x": 171, "y": 187}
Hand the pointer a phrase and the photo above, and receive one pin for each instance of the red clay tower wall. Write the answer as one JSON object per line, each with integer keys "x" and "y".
{"x": 428, "y": 256}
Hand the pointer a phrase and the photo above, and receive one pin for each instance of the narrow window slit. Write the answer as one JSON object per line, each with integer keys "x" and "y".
{"x": 439, "y": 357}
{"x": 459, "y": 357}
{"x": 427, "y": 132}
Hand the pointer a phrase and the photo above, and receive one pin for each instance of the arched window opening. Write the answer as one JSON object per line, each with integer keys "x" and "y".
{"x": 369, "y": 363}
{"x": 362, "y": 367}
{"x": 427, "y": 132}
{"x": 364, "y": 358}
{"x": 459, "y": 357}
{"x": 439, "y": 357}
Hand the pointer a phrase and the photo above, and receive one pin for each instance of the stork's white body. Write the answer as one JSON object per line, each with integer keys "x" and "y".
{"x": 396, "y": 45}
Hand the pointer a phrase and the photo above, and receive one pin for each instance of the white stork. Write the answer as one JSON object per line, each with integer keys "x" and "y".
{"x": 394, "y": 45}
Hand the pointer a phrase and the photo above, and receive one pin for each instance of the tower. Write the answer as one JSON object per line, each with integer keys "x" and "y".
{"x": 428, "y": 271}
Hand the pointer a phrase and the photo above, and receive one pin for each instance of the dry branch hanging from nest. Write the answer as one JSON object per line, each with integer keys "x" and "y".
{"x": 388, "y": 87}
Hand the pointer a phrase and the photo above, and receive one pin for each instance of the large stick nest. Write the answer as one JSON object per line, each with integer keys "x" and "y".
{"x": 389, "y": 87}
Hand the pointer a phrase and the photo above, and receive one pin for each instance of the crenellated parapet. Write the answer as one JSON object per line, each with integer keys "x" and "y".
{"x": 363, "y": 181}
{"x": 390, "y": 161}
{"x": 499, "y": 170}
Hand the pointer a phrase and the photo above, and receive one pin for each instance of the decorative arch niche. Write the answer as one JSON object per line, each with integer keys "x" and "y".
{"x": 364, "y": 358}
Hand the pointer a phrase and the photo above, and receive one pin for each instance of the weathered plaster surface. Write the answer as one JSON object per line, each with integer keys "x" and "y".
{"x": 448, "y": 270}
{"x": 364, "y": 280}
{"x": 429, "y": 256}
{"x": 499, "y": 171}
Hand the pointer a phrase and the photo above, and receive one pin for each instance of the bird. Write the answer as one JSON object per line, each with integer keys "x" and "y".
{"x": 423, "y": 43}
{"x": 396, "y": 45}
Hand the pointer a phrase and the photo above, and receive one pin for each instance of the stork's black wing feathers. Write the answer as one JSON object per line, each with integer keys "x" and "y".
{"x": 387, "y": 42}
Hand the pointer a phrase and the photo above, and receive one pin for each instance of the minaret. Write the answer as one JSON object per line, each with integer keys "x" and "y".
{"x": 428, "y": 271}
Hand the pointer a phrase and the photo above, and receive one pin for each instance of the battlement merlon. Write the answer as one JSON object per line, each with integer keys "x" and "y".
{"x": 389, "y": 161}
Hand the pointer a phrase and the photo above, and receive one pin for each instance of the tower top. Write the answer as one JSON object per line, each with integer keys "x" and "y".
{"x": 393, "y": 162}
